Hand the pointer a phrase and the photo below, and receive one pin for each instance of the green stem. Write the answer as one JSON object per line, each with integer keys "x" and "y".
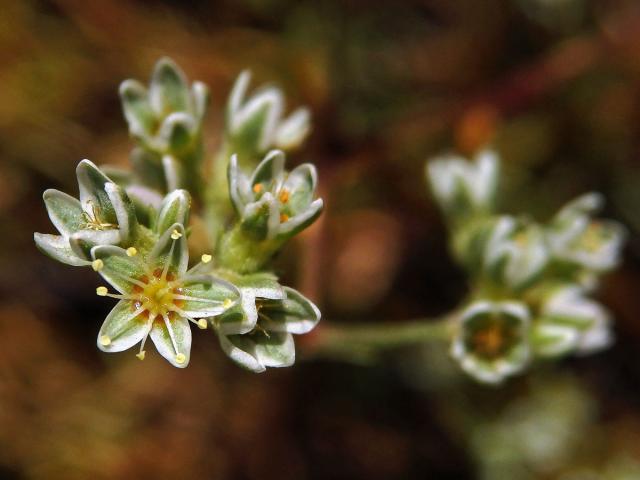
{"x": 363, "y": 343}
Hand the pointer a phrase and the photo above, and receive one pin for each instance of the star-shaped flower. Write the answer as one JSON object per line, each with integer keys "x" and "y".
{"x": 104, "y": 215}
{"x": 158, "y": 297}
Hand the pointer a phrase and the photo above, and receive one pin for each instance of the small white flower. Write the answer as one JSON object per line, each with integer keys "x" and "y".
{"x": 158, "y": 297}
{"x": 492, "y": 341}
{"x": 516, "y": 252}
{"x": 104, "y": 215}
{"x": 464, "y": 187}
{"x": 574, "y": 237}
{"x": 572, "y": 323}
{"x": 256, "y": 124}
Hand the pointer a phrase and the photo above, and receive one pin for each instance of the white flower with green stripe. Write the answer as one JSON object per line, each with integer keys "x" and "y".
{"x": 570, "y": 322}
{"x": 159, "y": 297}
{"x": 167, "y": 117}
{"x": 492, "y": 342}
{"x": 103, "y": 215}
{"x": 273, "y": 203}
{"x": 574, "y": 237}
{"x": 254, "y": 124}
{"x": 266, "y": 337}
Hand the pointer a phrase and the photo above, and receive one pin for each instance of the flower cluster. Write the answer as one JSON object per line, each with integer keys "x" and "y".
{"x": 530, "y": 281}
{"x": 133, "y": 228}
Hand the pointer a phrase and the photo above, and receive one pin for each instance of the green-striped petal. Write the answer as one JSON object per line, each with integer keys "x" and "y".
{"x": 122, "y": 329}
{"x": 120, "y": 270}
{"x": 173, "y": 341}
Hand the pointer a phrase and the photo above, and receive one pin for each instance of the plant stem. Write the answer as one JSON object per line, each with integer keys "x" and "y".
{"x": 362, "y": 343}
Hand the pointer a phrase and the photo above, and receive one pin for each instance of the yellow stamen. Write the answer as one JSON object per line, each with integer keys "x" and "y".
{"x": 175, "y": 235}
{"x": 283, "y": 217}
{"x": 284, "y": 195}
{"x": 105, "y": 340}
{"x": 132, "y": 251}
{"x": 141, "y": 355}
{"x": 206, "y": 258}
{"x": 202, "y": 324}
{"x": 102, "y": 291}
{"x": 97, "y": 265}
{"x": 257, "y": 188}
{"x": 227, "y": 303}
{"x": 180, "y": 358}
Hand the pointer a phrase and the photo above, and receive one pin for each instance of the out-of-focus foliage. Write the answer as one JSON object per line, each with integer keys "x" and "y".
{"x": 554, "y": 85}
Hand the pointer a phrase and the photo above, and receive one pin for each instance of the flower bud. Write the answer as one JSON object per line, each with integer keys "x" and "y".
{"x": 464, "y": 188}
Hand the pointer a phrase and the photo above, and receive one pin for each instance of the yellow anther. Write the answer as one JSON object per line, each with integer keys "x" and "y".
{"x": 180, "y": 358}
{"x": 257, "y": 188}
{"x": 206, "y": 258}
{"x": 102, "y": 291}
{"x": 284, "y": 195}
{"x": 132, "y": 251}
{"x": 97, "y": 265}
{"x": 141, "y": 355}
{"x": 105, "y": 340}
{"x": 175, "y": 235}
{"x": 283, "y": 217}
{"x": 202, "y": 324}
{"x": 227, "y": 303}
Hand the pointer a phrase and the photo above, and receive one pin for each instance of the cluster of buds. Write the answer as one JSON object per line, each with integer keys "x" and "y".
{"x": 133, "y": 231}
{"x": 530, "y": 281}
{"x": 255, "y": 125}
{"x": 165, "y": 120}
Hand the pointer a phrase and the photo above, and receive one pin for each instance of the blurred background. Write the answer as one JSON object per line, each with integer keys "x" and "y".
{"x": 553, "y": 84}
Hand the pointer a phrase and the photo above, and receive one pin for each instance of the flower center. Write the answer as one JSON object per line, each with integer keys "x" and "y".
{"x": 158, "y": 297}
